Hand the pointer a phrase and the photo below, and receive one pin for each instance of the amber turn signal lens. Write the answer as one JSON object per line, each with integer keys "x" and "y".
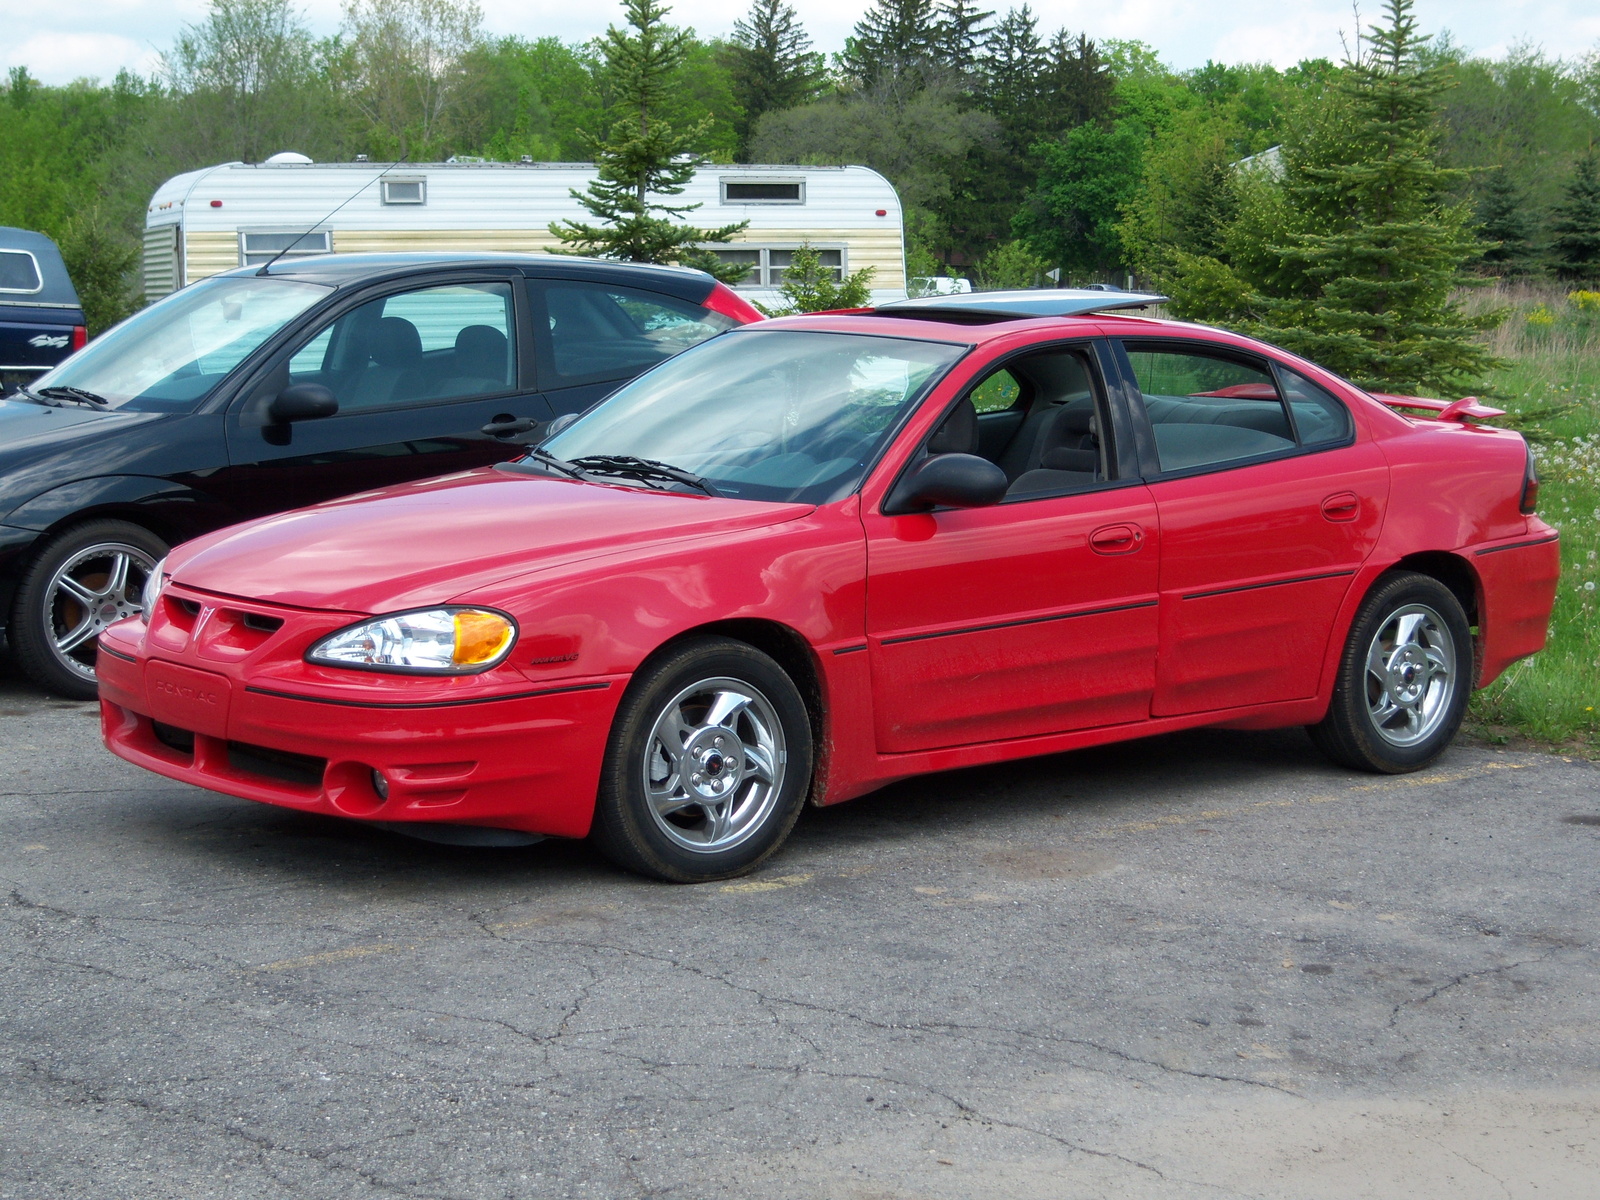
{"x": 480, "y": 637}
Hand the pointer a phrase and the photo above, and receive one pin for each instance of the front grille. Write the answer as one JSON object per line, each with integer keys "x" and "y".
{"x": 262, "y": 623}
{"x": 302, "y": 769}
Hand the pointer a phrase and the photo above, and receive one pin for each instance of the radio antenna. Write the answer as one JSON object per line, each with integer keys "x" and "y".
{"x": 330, "y": 216}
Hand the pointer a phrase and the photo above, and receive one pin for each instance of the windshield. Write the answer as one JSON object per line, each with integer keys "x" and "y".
{"x": 168, "y": 357}
{"x": 794, "y": 415}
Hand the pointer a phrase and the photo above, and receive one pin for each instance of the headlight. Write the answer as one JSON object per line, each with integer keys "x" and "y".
{"x": 152, "y": 588}
{"x": 431, "y": 641}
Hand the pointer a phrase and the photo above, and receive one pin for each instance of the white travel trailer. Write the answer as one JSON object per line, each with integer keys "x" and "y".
{"x": 227, "y": 216}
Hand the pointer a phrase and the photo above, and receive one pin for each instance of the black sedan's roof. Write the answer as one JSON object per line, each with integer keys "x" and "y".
{"x": 343, "y": 270}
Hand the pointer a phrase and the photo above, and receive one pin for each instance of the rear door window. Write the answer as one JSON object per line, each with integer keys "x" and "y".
{"x": 1208, "y": 408}
{"x": 600, "y": 332}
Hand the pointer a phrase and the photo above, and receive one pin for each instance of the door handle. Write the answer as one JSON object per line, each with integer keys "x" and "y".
{"x": 1116, "y": 539}
{"x": 1343, "y": 506}
{"x": 505, "y": 425}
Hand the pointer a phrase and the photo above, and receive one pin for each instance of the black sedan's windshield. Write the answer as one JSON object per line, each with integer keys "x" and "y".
{"x": 168, "y": 357}
{"x": 783, "y": 414}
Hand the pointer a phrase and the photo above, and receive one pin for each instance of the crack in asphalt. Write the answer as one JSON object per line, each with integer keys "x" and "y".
{"x": 1457, "y": 980}
{"x": 88, "y": 1094}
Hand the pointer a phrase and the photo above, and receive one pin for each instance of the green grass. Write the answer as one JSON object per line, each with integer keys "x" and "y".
{"x": 1551, "y": 387}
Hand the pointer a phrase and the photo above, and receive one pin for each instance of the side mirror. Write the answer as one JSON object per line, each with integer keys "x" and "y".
{"x": 302, "y": 402}
{"x": 953, "y": 480}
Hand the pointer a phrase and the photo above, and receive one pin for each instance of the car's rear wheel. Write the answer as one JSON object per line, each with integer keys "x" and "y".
{"x": 83, "y": 580}
{"x": 708, "y": 765}
{"x": 1404, "y": 680}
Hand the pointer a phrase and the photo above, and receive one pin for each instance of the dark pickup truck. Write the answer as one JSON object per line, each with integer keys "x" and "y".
{"x": 41, "y": 321}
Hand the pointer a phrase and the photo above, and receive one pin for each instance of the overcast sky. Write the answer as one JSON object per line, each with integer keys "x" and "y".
{"x": 67, "y": 39}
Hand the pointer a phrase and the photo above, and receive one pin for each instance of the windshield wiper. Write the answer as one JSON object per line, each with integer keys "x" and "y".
{"x": 629, "y": 467}
{"x": 27, "y": 393}
{"x": 74, "y": 393}
{"x": 545, "y": 458}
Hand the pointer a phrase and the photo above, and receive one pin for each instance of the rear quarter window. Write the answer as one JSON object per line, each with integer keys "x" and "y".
{"x": 19, "y": 272}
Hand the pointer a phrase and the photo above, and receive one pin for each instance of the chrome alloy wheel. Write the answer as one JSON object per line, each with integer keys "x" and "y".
{"x": 714, "y": 764}
{"x": 96, "y": 587}
{"x": 1411, "y": 675}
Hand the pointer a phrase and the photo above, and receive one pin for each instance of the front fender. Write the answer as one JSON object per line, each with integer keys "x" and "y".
{"x": 174, "y": 509}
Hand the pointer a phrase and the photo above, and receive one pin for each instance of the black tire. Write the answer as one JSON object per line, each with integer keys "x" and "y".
{"x": 1399, "y": 698}
{"x": 44, "y": 612}
{"x": 676, "y": 837}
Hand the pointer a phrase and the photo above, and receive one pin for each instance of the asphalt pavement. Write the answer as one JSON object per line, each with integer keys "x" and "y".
{"x": 1208, "y": 965}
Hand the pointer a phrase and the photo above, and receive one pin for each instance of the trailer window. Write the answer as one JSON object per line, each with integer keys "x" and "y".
{"x": 405, "y": 191}
{"x": 257, "y": 248}
{"x": 768, "y": 265}
{"x": 750, "y": 191}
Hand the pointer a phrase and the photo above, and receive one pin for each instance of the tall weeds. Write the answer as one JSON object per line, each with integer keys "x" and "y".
{"x": 1550, "y": 341}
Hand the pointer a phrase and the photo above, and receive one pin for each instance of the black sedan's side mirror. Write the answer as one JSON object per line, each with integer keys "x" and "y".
{"x": 952, "y": 480}
{"x": 556, "y": 426}
{"x": 302, "y": 402}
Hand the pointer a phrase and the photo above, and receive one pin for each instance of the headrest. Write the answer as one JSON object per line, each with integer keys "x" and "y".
{"x": 483, "y": 349}
{"x": 958, "y": 433}
{"x": 396, "y": 343}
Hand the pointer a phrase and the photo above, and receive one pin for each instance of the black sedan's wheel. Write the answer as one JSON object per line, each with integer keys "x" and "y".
{"x": 708, "y": 765}
{"x": 82, "y": 581}
{"x": 1404, "y": 680}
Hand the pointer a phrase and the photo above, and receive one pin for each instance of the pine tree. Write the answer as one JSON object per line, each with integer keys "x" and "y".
{"x": 808, "y": 286}
{"x": 1373, "y": 253}
{"x": 1012, "y": 66}
{"x": 896, "y": 40}
{"x": 1576, "y": 245}
{"x": 772, "y": 65}
{"x": 961, "y": 35}
{"x": 1080, "y": 85}
{"x": 645, "y": 157}
{"x": 1503, "y": 217}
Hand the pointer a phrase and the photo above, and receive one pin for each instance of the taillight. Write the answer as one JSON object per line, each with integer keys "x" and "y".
{"x": 723, "y": 299}
{"x": 80, "y": 337}
{"x": 1530, "y": 487}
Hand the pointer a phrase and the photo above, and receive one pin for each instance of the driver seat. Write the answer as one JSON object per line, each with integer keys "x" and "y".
{"x": 958, "y": 432}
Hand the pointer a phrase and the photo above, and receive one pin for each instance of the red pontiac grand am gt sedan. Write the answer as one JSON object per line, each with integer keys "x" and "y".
{"x": 814, "y": 555}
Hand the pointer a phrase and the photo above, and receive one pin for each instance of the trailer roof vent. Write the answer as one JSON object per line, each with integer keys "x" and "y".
{"x": 289, "y": 158}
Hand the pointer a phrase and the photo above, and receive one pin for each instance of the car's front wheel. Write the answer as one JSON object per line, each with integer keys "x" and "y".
{"x": 708, "y": 765}
{"x": 81, "y": 581}
{"x": 1404, "y": 680}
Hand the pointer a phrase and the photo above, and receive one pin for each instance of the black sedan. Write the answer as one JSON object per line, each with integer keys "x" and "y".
{"x": 267, "y": 389}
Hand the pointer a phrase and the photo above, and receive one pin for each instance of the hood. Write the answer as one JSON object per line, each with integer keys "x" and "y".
{"x": 427, "y": 543}
{"x": 27, "y": 428}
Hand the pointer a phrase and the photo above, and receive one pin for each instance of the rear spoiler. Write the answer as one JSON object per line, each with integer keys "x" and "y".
{"x": 1444, "y": 410}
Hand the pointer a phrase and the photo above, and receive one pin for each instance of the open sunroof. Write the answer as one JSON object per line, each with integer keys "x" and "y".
{"x": 983, "y": 307}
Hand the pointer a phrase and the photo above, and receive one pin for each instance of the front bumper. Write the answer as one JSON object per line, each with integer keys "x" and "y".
{"x": 518, "y": 756}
